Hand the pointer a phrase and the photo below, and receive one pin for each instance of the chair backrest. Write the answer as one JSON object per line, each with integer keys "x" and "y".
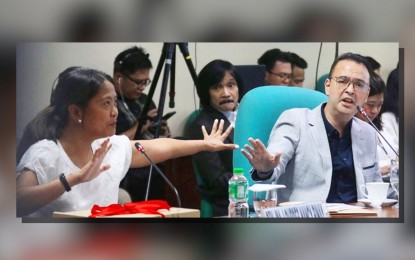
{"x": 320, "y": 83}
{"x": 123, "y": 196}
{"x": 206, "y": 210}
{"x": 258, "y": 111}
{"x": 252, "y": 76}
{"x": 189, "y": 121}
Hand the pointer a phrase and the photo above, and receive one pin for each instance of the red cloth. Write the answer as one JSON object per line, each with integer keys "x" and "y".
{"x": 146, "y": 207}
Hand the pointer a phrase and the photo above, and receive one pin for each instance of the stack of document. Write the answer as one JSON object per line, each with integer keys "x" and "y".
{"x": 344, "y": 209}
{"x": 297, "y": 210}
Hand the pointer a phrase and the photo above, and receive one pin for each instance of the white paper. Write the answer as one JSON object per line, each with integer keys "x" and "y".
{"x": 265, "y": 187}
{"x": 336, "y": 207}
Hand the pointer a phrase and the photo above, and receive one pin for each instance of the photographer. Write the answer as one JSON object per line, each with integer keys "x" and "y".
{"x": 131, "y": 76}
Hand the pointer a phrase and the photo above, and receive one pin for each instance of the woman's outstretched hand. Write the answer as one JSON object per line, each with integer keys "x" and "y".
{"x": 259, "y": 157}
{"x": 93, "y": 168}
{"x": 216, "y": 137}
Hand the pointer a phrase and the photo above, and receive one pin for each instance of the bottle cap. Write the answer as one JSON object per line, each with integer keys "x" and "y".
{"x": 238, "y": 171}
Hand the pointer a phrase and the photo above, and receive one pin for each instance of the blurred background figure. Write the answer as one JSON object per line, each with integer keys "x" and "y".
{"x": 88, "y": 23}
{"x": 298, "y": 66}
{"x": 374, "y": 64}
{"x": 322, "y": 23}
{"x": 278, "y": 71}
{"x": 131, "y": 76}
{"x": 373, "y": 107}
{"x": 389, "y": 113}
{"x": 218, "y": 86}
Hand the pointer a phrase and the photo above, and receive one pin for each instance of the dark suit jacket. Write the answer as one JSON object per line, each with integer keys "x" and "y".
{"x": 215, "y": 167}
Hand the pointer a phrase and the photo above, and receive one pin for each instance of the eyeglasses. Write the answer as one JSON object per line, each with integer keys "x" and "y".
{"x": 140, "y": 83}
{"x": 282, "y": 75}
{"x": 344, "y": 81}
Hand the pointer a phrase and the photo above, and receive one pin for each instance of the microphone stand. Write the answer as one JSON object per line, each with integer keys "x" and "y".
{"x": 363, "y": 113}
{"x": 140, "y": 148}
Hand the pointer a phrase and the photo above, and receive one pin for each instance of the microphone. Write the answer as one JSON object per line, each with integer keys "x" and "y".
{"x": 363, "y": 113}
{"x": 140, "y": 148}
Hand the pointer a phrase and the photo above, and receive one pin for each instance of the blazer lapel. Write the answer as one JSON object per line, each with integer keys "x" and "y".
{"x": 358, "y": 140}
{"x": 320, "y": 140}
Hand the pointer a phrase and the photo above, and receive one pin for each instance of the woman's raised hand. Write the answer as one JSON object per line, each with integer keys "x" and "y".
{"x": 93, "y": 168}
{"x": 216, "y": 137}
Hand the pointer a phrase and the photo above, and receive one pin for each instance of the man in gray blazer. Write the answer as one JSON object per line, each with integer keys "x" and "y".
{"x": 323, "y": 154}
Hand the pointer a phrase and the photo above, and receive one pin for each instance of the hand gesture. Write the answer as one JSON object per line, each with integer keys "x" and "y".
{"x": 151, "y": 115}
{"x": 217, "y": 136}
{"x": 164, "y": 129}
{"x": 93, "y": 168}
{"x": 259, "y": 157}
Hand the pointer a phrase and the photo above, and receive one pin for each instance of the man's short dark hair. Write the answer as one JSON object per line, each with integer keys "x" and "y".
{"x": 373, "y": 63}
{"x": 354, "y": 57}
{"x": 297, "y": 60}
{"x": 271, "y": 56}
{"x": 131, "y": 60}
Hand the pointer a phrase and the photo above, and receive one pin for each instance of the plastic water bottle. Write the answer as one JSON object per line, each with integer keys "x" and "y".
{"x": 238, "y": 195}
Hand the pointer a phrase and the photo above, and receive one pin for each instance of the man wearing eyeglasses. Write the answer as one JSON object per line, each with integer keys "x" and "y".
{"x": 323, "y": 154}
{"x": 278, "y": 71}
{"x": 131, "y": 77}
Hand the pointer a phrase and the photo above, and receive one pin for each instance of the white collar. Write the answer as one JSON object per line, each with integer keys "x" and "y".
{"x": 231, "y": 115}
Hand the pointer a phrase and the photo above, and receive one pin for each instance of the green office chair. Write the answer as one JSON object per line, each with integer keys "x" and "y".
{"x": 206, "y": 210}
{"x": 258, "y": 111}
{"x": 320, "y": 83}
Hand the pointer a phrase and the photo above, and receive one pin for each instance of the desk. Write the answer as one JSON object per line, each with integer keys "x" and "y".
{"x": 336, "y": 210}
{"x": 172, "y": 213}
{"x": 386, "y": 212}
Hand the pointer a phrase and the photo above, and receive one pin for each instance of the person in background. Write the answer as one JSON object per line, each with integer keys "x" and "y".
{"x": 298, "y": 70}
{"x": 278, "y": 70}
{"x": 389, "y": 113}
{"x": 218, "y": 86}
{"x": 372, "y": 107}
{"x": 71, "y": 157}
{"x": 131, "y": 75}
{"x": 326, "y": 153}
{"x": 374, "y": 64}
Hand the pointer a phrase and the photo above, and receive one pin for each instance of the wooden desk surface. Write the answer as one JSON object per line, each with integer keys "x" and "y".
{"x": 386, "y": 212}
{"x": 172, "y": 213}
